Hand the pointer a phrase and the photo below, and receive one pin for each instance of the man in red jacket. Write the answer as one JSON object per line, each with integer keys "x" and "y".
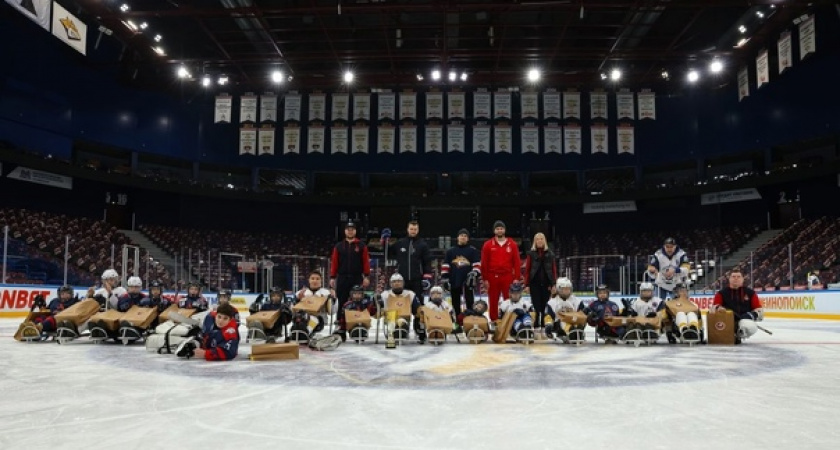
{"x": 500, "y": 266}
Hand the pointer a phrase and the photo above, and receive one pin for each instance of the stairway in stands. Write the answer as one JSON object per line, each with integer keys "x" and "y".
{"x": 743, "y": 253}
{"x": 159, "y": 255}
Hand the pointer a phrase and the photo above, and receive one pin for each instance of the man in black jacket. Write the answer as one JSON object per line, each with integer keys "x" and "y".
{"x": 462, "y": 262}
{"x": 414, "y": 261}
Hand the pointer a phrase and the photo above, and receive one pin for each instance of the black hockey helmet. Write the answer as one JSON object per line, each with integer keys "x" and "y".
{"x": 670, "y": 241}
{"x": 516, "y": 287}
{"x": 224, "y": 293}
{"x": 357, "y": 289}
{"x": 602, "y": 287}
{"x": 480, "y": 306}
{"x": 194, "y": 284}
{"x": 66, "y": 289}
{"x": 276, "y": 290}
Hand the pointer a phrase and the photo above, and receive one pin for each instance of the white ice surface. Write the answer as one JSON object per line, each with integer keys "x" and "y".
{"x": 773, "y": 392}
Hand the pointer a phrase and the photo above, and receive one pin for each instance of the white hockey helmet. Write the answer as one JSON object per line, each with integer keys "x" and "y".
{"x": 109, "y": 274}
{"x": 564, "y": 282}
{"x": 134, "y": 282}
{"x": 436, "y": 289}
{"x": 646, "y": 286}
{"x": 396, "y": 277}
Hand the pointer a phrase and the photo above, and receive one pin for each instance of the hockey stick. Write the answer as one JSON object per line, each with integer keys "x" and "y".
{"x": 764, "y": 330}
{"x": 379, "y": 295}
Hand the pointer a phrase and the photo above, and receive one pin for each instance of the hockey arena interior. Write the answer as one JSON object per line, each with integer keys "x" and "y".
{"x": 425, "y": 224}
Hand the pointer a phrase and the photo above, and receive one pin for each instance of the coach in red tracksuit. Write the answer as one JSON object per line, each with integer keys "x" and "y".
{"x": 500, "y": 266}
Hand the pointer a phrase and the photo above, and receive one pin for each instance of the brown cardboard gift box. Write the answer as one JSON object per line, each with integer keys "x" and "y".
{"x": 140, "y": 317}
{"x": 656, "y": 322}
{"x": 437, "y": 320}
{"x": 79, "y": 313}
{"x": 164, "y": 316}
{"x": 574, "y": 318}
{"x": 267, "y": 318}
{"x": 29, "y": 318}
{"x": 401, "y": 304}
{"x": 312, "y": 305}
{"x": 110, "y": 318}
{"x": 476, "y": 321}
{"x": 503, "y": 328}
{"x": 353, "y": 318}
{"x": 274, "y": 352}
{"x": 686, "y": 306}
{"x": 721, "y": 326}
{"x": 618, "y": 321}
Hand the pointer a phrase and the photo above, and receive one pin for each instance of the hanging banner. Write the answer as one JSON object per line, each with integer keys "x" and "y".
{"x": 481, "y": 104}
{"x": 247, "y": 141}
{"x": 408, "y": 105}
{"x": 807, "y": 37}
{"x": 361, "y": 138}
{"x": 456, "y": 105}
{"x": 408, "y": 139}
{"x": 551, "y": 105}
{"x": 37, "y": 11}
{"x": 291, "y": 140}
{"x": 503, "y": 138}
{"x": 739, "y": 195}
{"x": 530, "y": 139}
{"x": 338, "y": 140}
{"x": 455, "y": 138}
{"x": 625, "y": 105}
{"x": 224, "y": 105}
{"x": 268, "y": 108}
{"x": 291, "y": 108}
{"x": 626, "y": 140}
{"x": 743, "y": 83}
{"x": 647, "y": 105}
{"x": 248, "y": 109}
{"x": 609, "y": 207}
{"x": 571, "y": 105}
{"x": 762, "y": 71}
{"x": 317, "y": 107}
{"x": 266, "y": 138}
{"x": 501, "y": 104}
{"x": 361, "y": 106}
{"x": 65, "y": 26}
{"x": 385, "y": 140}
{"x": 529, "y": 104}
{"x": 387, "y": 106}
{"x": 598, "y": 105}
{"x": 40, "y": 177}
{"x": 315, "y": 139}
{"x": 434, "y": 105}
{"x": 434, "y": 139}
{"x": 481, "y": 139}
{"x": 553, "y": 139}
{"x": 340, "y": 107}
{"x": 598, "y": 137}
{"x": 572, "y": 139}
{"x": 785, "y": 54}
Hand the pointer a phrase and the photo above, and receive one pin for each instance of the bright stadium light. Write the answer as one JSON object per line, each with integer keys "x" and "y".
{"x": 158, "y": 38}
{"x": 716, "y": 66}
{"x": 348, "y": 77}
{"x": 464, "y": 76}
{"x": 277, "y": 76}
{"x": 615, "y": 75}
{"x": 183, "y": 72}
{"x": 206, "y": 81}
{"x": 223, "y": 80}
{"x": 453, "y": 76}
{"x": 533, "y": 75}
{"x": 436, "y": 75}
{"x": 124, "y": 8}
{"x": 693, "y": 76}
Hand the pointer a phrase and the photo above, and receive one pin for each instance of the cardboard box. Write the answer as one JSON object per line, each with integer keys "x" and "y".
{"x": 574, "y": 318}
{"x": 503, "y": 328}
{"x": 675, "y": 306}
{"x": 656, "y": 322}
{"x": 140, "y": 317}
{"x": 30, "y": 318}
{"x": 401, "y": 304}
{"x": 721, "y": 326}
{"x": 312, "y": 305}
{"x": 79, "y": 313}
{"x": 619, "y": 321}
{"x": 437, "y": 320}
{"x": 164, "y": 316}
{"x": 476, "y": 321}
{"x": 274, "y": 352}
{"x": 110, "y": 318}
{"x": 186, "y": 312}
{"x": 353, "y": 318}
{"x": 267, "y": 318}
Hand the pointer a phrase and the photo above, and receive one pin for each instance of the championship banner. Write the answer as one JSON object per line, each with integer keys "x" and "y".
{"x": 434, "y": 105}
{"x": 529, "y": 103}
{"x": 553, "y": 139}
{"x": 361, "y": 138}
{"x": 457, "y": 104}
{"x": 266, "y": 138}
{"x": 598, "y": 137}
{"x": 481, "y": 104}
{"x": 317, "y": 107}
{"x": 647, "y": 105}
{"x": 387, "y": 106}
{"x": 408, "y": 105}
{"x": 291, "y": 108}
{"x": 501, "y": 104}
{"x": 598, "y": 105}
{"x": 626, "y": 139}
{"x": 37, "y": 11}
{"x": 739, "y": 195}
{"x": 385, "y": 140}
{"x": 224, "y": 105}
{"x": 247, "y": 140}
{"x": 503, "y": 138}
{"x": 455, "y": 138}
{"x": 609, "y": 207}
{"x": 743, "y": 84}
{"x": 762, "y": 71}
{"x": 807, "y": 37}
{"x": 66, "y": 27}
{"x": 338, "y": 140}
{"x": 434, "y": 139}
{"x": 361, "y": 106}
{"x": 408, "y": 139}
{"x": 571, "y": 105}
{"x": 551, "y": 105}
{"x": 340, "y": 107}
{"x": 248, "y": 109}
{"x": 315, "y": 139}
{"x": 572, "y": 139}
{"x": 41, "y": 177}
{"x": 481, "y": 139}
{"x": 268, "y": 108}
{"x": 291, "y": 140}
{"x": 530, "y": 139}
{"x": 785, "y": 54}
{"x": 625, "y": 105}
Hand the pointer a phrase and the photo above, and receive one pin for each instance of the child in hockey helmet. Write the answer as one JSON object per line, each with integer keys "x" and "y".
{"x": 397, "y": 283}
{"x": 564, "y": 288}
{"x": 436, "y": 295}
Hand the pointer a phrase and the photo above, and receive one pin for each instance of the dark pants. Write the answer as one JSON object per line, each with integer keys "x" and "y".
{"x": 540, "y": 294}
{"x": 416, "y": 286}
{"x": 469, "y": 297}
{"x": 343, "y": 285}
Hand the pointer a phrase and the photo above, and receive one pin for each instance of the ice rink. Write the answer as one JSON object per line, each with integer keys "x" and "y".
{"x": 773, "y": 392}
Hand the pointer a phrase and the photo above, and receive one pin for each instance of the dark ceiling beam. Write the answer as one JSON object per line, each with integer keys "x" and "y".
{"x": 222, "y": 49}
{"x": 266, "y": 29}
{"x": 628, "y": 18}
{"x": 384, "y": 26}
{"x": 673, "y": 44}
{"x": 560, "y": 40}
{"x": 327, "y": 34}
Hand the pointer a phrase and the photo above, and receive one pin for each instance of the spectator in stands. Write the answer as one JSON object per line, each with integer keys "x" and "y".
{"x": 540, "y": 273}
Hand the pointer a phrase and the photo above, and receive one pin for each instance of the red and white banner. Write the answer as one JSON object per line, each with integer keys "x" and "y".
{"x": 530, "y": 139}
{"x": 785, "y": 52}
{"x": 647, "y": 104}
{"x": 626, "y": 139}
{"x": 361, "y": 106}
{"x": 408, "y": 139}
{"x": 408, "y": 105}
{"x": 481, "y": 139}
{"x": 434, "y": 105}
{"x": 338, "y": 139}
{"x": 266, "y": 138}
{"x": 762, "y": 71}
{"x": 340, "y": 107}
{"x": 553, "y": 139}
{"x": 503, "y": 138}
{"x": 598, "y": 105}
{"x": 317, "y": 107}
{"x": 529, "y": 102}
{"x": 361, "y": 139}
{"x": 291, "y": 107}
{"x": 572, "y": 139}
{"x": 248, "y": 141}
{"x": 571, "y": 105}
{"x": 224, "y": 106}
{"x": 457, "y": 103}
{"x": 434, "y": 139}
{"x": 315, "y": 139}
{"x": 268, "y": 108}
{"x": 248, "y": 109}
{"x": 385, "y": 139}
{"x": 807, "y": 37}
{"x": 387, "y": 105}
{"x": 551, "y": 105}
{"x": 481, "y": 104}
{"x": 501, "y": 104}
{"x": 743, "y": 83}
{"x": 455, "y": 138}
{"x": 291, "y": 140}
{"x": 68, "y": 28}
{"x": 598, "y": 138}
{"x": 37, "y": 11}
{"x": 625, "y": 105}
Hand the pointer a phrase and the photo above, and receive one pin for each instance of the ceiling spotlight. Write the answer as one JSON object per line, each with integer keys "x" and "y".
{"x": 158, "y": 38}
{"x": 615, "y": 75}
{"x": 183, "y": 72}
{"x": 277, "y": 76}
{"x": 223, "y": 80}
{"x": 603, "y": 76}
{"x": 665, "y": 75}
{"x": 436, "y": 75}
{"x": 533, "y": 75}
{"x": 742, "y": 29}
{"x": 716, "y": 66}
{"x": 144, "y": 25}
{"x": 741, "y": 42}
{"x": 419, "y": 77}
{"x": 348, "y": 77}
{"x": 453, "y": 76}
{"x": 130, "y": 25}
{"x": 463, "y": 76}
{"x": 206, "y": 81}
{"x": 159, "y": 50}
{"x": 693, "y": 76}
{"x": 124, "y": 8}
{"x": 759, "y": 14}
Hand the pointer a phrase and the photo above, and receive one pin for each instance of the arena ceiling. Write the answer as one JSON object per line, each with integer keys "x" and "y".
{"x": 389, "y": 43}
